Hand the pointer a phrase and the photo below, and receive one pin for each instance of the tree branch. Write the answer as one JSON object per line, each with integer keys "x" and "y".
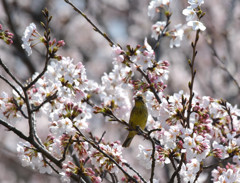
{"x": 178, "y": 169}
{"x": 13, "y": 129}
{"x": 138, "y": 174}
{"x": 193, "y": 74}
{"x": 11, "y": 75}
{"x": 12, "y": 86}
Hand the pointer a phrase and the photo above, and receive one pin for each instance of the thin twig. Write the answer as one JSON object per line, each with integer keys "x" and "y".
{"x": 176, "y": 172}
{"x": 81, "y": 176}
{"x": 86, "y": 160}
{"x": 47, "y": 56}
{"x": 198, "y": 173}
{"x": 153, "y": 152}
{"x": 49, "y": 164}
{"x": 175, "y": 168}
{"x": 10, "y": 74}
{"x": 223, "y": 66}
{"x": 219, "y": 162}
{"x": 65, "y": 149}
{"x": 101, "y": 137}
{"x": 114, "y": 177}
{"x": 138, "y": 174}
{"x": 12, "y": 86}
{"x": 150, "y": 85}
{"x": 193, "y": 73}
{"x": 154, "y": 130}
{"x": 30, "y": 118}
{"x": 45, "y": 152}
{"x": 153, "y": 160}
{"x": 89, "y": 21}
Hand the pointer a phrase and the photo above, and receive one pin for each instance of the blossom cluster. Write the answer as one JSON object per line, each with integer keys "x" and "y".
{"x": 115, "y": 89}
{"x": 213, "y": 125}
{"x": 66, "y": 113}
{"x": 9, "y": 109}
{"x": 32, "y": 37}
{"x": 29, "y": 156}
{"x": 193, "y": 14}
{"x": 229, "y": 174}
{"x": 155, "y": 6}
{"x": 145, "y": 156}
{"x": 67, "y": 84}
{"x": 60, "y": 92}
{"x": 117, "y": 85}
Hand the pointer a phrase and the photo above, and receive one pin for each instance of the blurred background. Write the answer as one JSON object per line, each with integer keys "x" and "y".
{"x": 125, "y": 22}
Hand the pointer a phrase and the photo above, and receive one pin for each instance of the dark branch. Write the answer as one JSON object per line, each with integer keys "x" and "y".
{"x": 13, "y": 129}
{"x": 176, "y": 172}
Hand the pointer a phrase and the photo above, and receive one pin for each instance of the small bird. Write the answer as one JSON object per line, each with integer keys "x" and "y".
{"x": 138, "y": 117}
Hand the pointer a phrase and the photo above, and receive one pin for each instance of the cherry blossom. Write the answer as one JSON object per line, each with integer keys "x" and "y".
{"x": 196, "y": 25}
{"x": 29, "y": 34}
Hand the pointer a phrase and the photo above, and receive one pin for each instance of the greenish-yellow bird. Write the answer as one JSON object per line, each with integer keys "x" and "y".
{"x": 138, "y": 117}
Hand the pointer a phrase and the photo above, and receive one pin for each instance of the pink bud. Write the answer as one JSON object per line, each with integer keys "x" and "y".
{"x": 60, "y": 43}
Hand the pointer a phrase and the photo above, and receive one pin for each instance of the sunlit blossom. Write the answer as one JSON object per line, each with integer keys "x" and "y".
{"x": 196, "y": 25}
{"x": 189, "y": 13}
{"x": 27, "y": 38}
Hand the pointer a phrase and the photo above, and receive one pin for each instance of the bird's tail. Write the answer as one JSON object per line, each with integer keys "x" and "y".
{"x": 128, "y": 140}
